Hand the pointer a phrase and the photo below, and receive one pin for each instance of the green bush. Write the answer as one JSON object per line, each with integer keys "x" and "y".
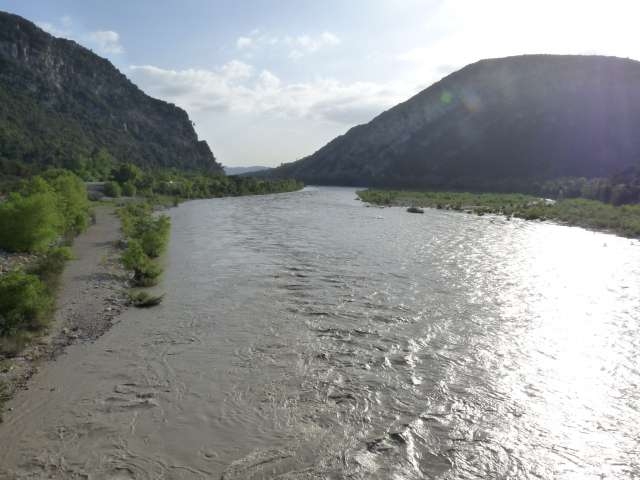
{"x": 112, "y": 189}
{"x": 29, "y": 223}
{"x": 43, "y": 209}
{"x": 145, "y": 272}
{"x": 129, "y": 189}
{"x": 49, "y": 267}
{"x": 623, "y": 220}
{"x": 127, "y": 172}
{"x": 72, "y": 200}
{"x": 153, "y": 234}
{"x": 24, "y": 303}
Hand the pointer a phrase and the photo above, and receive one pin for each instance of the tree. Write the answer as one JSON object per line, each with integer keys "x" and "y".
{"x": 112, "y": 189}
{"x": 29, "y": 223}
{"x": 127, "y": 172}
{"x": 73, "y": 203}
{"x": 129, "y": 189}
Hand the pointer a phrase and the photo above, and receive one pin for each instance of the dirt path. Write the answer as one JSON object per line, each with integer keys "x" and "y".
{"x": 90, "y": 298}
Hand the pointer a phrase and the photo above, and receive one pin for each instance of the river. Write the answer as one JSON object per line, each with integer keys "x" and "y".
{"x": 308, "y": 336}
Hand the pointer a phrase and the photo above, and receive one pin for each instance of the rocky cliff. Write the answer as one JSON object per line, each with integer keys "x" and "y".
{"x": 59, "y": 102}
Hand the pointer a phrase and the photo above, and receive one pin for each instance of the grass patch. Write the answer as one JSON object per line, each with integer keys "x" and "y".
{"x": 623, "y": 220}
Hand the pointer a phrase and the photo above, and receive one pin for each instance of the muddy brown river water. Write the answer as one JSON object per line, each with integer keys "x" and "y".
{"x": 306, "y": 336}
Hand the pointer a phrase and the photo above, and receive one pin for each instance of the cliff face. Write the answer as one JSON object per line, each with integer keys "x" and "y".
{"x": 59, "y": 102}
{"x": 496, "y": 124}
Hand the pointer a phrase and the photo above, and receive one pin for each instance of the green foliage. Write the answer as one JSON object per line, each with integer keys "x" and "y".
{"x": 147, "y": 236}
{"x": 24, "y": 302}
{"x": 29, "y": 223}
{"x": 153, "y": 234}
{"x": 129, "y": 189}
{"x": 624, "y": 220}
{"x": 145, "y": 272}
{"x": 620, "y": 189}
{"x": 127, "y": 172}
{"x": 138, "y": 222}
{"x": 72, "y": 200}
{"x": 145, "y": 300}
{"x": 112, "y": 189}
{"x": 43, "y": 209}
{"x": 49, "y": 267}
{"x": 485, "y": 202}
{"x": 97, "y": 119}
{"x": 176, "y": 184}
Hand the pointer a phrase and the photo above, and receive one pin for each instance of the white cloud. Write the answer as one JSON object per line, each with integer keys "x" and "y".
{"x": 106, "y": 41}
{"x": 61, "y": 31}
{"x": 470, "y": 31}
{"x": 306, "y": 44}
{"x": 236, "y": 69}
{"x": 244, "y": 42}
{"x": 235, "y": 87}
{"x": 297, "y": 46}
{"x": 103, "y": 41}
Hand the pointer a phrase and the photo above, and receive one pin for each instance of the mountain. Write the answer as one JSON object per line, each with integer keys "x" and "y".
{"x": 59, "y": 103}
{"x": 243, "y": 170}
{"x": 498, "y": 124}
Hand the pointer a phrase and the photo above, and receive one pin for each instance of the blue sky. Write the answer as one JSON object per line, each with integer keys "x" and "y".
{"x": 272, "y": 81}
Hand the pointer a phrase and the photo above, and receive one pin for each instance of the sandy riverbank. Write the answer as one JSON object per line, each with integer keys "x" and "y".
{"x": 91, "y": 296}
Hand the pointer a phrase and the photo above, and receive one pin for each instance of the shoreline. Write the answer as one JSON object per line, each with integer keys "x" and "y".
{"x": 623, "y": 221}
{"x": 92, "y": 294}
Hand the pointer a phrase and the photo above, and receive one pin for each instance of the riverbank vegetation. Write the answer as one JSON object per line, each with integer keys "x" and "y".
{"x": 144, "y": 299}
{"x": 621, "y": 219}
{"x": 39, "y": 218}
{"x": 43, "y": 210}
{"x": 146, "y": 237}
{"x": 128, "y": 180}
{"x": 40, "y": 213}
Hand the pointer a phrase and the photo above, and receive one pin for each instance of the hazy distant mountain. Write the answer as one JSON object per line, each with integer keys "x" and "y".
{"x": 243, "y": 170}
{"x": 497, "y": 124}
{"x": 59, "y": 102}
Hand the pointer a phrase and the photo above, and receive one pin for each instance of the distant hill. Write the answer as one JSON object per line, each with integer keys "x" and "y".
{"x": 500, "y": 124}
{"x": 59, "y": 102}
{"x": 243, "y": 170}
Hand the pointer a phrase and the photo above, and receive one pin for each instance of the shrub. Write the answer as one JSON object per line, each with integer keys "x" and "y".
{"x": 145, "y": 272}
{"x": 145, "y": 300}
{"x": 153, "y": 234}
{"x": 24, "y": 303}
{"x": 50, "y": 266}
{"x": 127, "y": 172}
{"x": 29, "y": 223}
{"x": 72, "y": 200}
{"x": 129, "y": 189}
{"x": 112, "y": 189}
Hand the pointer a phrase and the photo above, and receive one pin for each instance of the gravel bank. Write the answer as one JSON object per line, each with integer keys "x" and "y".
{"x": 91, "y": 296}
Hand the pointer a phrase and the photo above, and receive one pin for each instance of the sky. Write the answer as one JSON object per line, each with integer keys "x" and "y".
{"x": 268, "y": 82}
